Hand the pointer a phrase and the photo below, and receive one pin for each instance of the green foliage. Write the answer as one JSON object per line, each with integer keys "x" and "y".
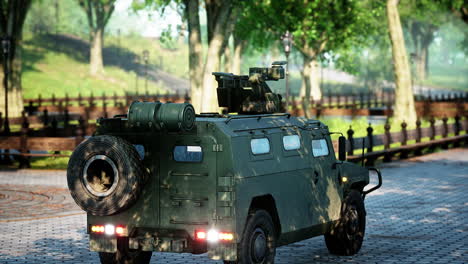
{"x": 44, "y": 17}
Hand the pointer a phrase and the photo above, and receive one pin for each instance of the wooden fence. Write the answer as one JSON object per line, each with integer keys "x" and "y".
{"x": 408, "y": 141}
{"x": 434, "y": 135}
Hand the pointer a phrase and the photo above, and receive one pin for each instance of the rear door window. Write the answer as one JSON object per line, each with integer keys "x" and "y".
{"x": 291, "y": 142}
{"x": 260, "y": 146}
{"x": 188, "y": 154}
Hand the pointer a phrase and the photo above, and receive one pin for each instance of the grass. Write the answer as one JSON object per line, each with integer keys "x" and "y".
{"x": 454, "y": 77}
{"x": 63, "y": 68}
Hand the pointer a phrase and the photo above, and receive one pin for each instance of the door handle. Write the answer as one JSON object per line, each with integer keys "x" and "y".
{"x": 316, "y": 177}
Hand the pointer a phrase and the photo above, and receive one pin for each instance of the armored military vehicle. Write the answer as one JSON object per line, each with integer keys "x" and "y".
{"x": 162, "y": 178}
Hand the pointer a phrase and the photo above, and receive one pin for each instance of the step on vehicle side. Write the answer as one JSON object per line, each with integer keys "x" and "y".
{"x": 162, "y": 178}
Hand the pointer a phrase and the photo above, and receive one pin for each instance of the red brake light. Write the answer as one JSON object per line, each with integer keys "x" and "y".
{"x": 200, "y": 235}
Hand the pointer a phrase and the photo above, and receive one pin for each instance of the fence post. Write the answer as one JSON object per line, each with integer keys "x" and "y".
{"x": 115, "y": 100}
{"x": 404, "y": 135}
{"x": 30, "y": 108}
{"x": 79, "y": 131}
{"x": 457, "y": 125}
{"x": 361, "y": 99}
{"x": 433, "y": 132}
{"x": 418, "y": 131}
{"x": 388, "y": 140}
{"x": 54, "y": 127}
{"x": 39, "y": 101}
{"x": 370, "y": 148}
{"x": 91, "y": 100}
{"x": 370, "y": 138}
{"x": 45, "y": 117}
{"x": 104, "y": 104}
{"x": 80, "y": 99}
{"x": 53, "y": 99}
{"x": 445, "y": 131}
{"x": 350, "y": 133}
{"x": 66, "y": 99}
{"x": 66, "y": 119}
{"x": 369, "y": 100}
{"x": 382, "y": 98}
{"x": 24, "y": 160}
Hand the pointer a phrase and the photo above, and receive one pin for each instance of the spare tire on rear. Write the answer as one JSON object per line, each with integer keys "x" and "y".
{"x": 105, "y": 175}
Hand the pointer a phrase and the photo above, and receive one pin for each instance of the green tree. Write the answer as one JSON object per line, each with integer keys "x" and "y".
{"x": 219, "y": 15}
{"x": 318, "y": 27}
{"x": 12, "y": 16}
{"x": 422, "y": 19}
{"x": 98, "y": 13}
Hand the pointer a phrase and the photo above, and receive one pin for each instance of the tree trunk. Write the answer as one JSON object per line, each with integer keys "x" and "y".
{"x": 237, "y": 58}
{"x": 13, "y": 14}
{"x": 404, "y": 109}
{"x": 209, "y": 102}
{"x": 219, "y": 31}
{"x": 310, "y": 83}
{"x": 96, "y": 64}
{"x": 227, "y": 61}
{"x": 195, "y": 53}
{"x": 421, "y": 64}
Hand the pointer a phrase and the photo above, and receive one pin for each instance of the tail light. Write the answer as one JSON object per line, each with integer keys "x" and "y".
{"x": 213, "y": 236}
{"x": 109, "y": 230}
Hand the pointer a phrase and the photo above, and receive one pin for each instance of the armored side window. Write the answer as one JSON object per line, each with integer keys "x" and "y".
{"x": 260, "y": 146}
{"x": 291, "y": 142}
{"x": 188, "y": 154}
{"x": 319, "y": 147}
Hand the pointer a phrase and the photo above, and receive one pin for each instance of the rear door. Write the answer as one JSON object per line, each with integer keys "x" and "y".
{"x": 188, "y": 181}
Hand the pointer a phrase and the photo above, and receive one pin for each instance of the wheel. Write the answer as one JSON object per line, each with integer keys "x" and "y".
{"x": 105, "y": 175}
{"x": 258, "y": 244}
{"x": 124, "y": 255}
{"x": 346, "y": 237}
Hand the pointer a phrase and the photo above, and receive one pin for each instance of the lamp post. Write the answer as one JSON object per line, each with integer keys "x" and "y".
{"x": 287, "y": 42}
{"x": 146, "y": 58}
{"x": 6, "y": 51}
{"x": 137, "y": 66}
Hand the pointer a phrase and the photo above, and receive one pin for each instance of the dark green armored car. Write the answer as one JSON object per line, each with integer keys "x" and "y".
{"x": 162, "y": 178}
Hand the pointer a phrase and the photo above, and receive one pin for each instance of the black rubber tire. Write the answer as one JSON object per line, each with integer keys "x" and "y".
{"x": 345, "y": 239}
{"x": 124, "y": 255}
{"x": 132, "y": 175}
{"x": 259, "y": 219}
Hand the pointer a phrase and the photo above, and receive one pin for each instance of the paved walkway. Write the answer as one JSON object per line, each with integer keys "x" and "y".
{"x": 420, "y": 215}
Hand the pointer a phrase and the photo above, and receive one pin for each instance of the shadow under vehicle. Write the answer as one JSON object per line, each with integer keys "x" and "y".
{"x": 162, "y": 178}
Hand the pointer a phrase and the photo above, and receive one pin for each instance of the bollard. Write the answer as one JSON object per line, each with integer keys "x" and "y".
{"x": 433, "y": 132}
{"x": 350, "y": 133}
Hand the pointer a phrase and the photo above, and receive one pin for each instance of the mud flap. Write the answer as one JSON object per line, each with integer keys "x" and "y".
{"x": 103, "y": 244}
{"x": 223, "y": 252}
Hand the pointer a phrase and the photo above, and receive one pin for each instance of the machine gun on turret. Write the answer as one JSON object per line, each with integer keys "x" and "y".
{"x": 250, "y": 94}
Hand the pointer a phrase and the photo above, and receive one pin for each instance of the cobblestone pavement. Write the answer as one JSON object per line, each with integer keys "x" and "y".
{"x": 420, "y": 215}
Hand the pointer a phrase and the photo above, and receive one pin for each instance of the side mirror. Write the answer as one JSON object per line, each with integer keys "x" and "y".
{"x": 342, "y": 148}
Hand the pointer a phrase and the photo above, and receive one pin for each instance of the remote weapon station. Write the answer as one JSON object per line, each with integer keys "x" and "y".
{"x": 238, "y": 185}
